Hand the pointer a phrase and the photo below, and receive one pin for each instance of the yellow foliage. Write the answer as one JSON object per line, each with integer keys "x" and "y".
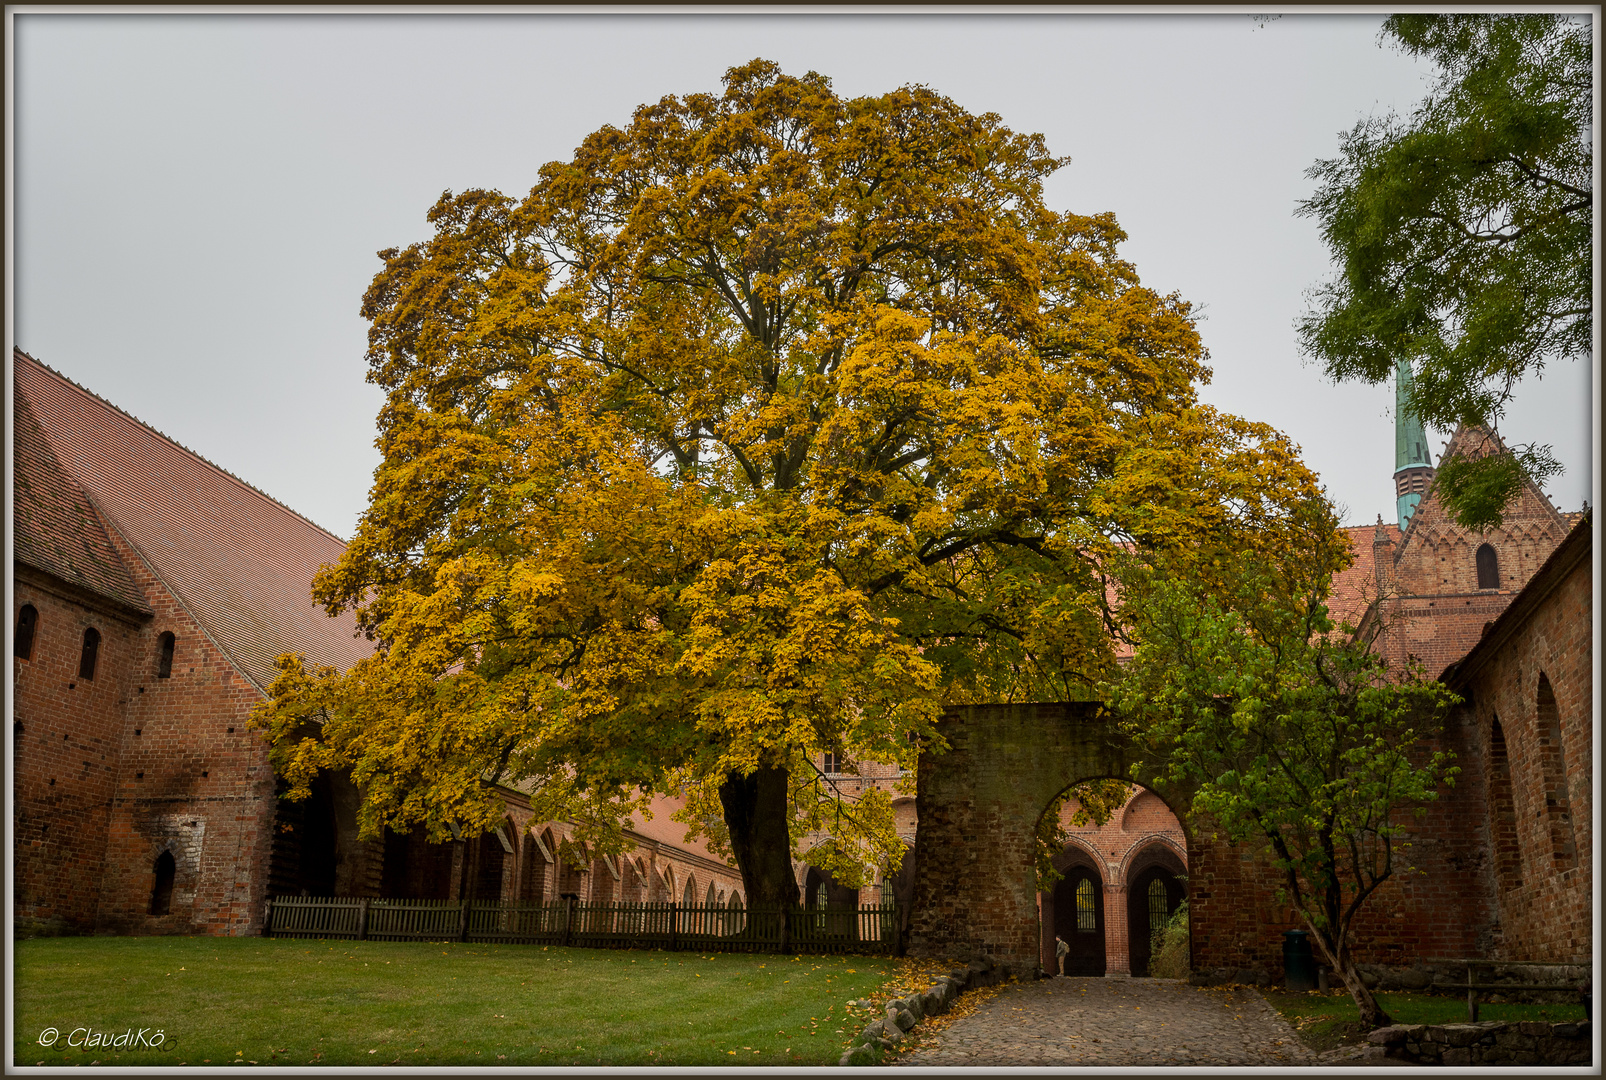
{"x": 770, "y": 424}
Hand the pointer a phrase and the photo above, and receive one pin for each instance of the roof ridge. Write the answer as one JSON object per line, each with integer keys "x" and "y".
{"x": 198, "y": 457}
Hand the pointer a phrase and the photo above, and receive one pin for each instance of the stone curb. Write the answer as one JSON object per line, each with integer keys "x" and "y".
{"x": 905, "y": 1013}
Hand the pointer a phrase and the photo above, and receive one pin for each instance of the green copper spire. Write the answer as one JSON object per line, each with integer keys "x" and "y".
{"x": 1413, "y": 464}
{"x": 1410, "y": 441}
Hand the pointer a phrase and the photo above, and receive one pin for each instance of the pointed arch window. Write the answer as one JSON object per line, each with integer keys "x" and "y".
{"x": 86, "y": 660}
{"x": 1086, "y": 913}
{"x": 164, "y": 655}
{"x": 1488, "y": 567}
{"x": 1502, "y": 811}
{"x": 22, "y": 644}
{"x": 1552, "y": 759}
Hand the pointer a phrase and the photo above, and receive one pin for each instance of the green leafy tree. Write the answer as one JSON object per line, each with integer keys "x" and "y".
{"x": 767, "y": 426}
{"x": 1464, "y": 236}
{"x": 1292, "y": 735}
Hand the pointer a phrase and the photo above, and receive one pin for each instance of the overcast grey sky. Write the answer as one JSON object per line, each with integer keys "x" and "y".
{"x": 199, "y": 198}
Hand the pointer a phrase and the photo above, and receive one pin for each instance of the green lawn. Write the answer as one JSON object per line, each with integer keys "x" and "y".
{"x": 1326, "y": 1021}
{"x": 288, "y": 1002}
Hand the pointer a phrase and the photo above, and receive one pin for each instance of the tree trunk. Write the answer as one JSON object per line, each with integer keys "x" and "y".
{"x": 757, "y": 814}
{"x": 1366, "y": 1005}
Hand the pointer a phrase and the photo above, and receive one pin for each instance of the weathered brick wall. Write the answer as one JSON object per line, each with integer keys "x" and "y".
{"x": 193, "y": 780}
{"x": 1437, "y": 904}
{"x": 68, "y": 744}
{"x": 978, "y": 805}
{"x": 1546, "y": 913}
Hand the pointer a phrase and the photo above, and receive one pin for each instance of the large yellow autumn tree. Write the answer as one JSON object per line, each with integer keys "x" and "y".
{"x": 770, "y": 424}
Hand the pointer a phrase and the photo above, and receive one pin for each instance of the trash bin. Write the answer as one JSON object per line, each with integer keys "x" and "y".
{"x": 1299, "y": 966}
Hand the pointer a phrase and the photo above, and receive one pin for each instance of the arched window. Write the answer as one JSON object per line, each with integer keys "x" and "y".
{"x": 1553, "y": 762}
{"x": 164, "y": 656}
{"x": 689, "y": 897}
{"x": 1488, "y": 568}
{"x": 710, "y": 899}
{"x": 1086, "y": 914}
{"x": 27, "y": 619}
{"x": 1502, "y": 812}
{"x": 1159, "y": 907}
{"x": 86, "y": 662}
{"x": 162, "y": 891}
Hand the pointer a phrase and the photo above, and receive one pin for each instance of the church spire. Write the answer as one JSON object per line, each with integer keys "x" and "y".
{"x": 1413, "y": 464}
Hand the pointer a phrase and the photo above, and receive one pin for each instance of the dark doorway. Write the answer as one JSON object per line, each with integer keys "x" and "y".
{"x": 1151, "y": 899}
{"x": 415, "y": 869}
{"x": 832, "y": 901}
{"x": 488, "y": 879}
{"x": 820, "y": 889}
{"x": 318, "y": 847}
{"x": 162, "y": 893}
{"x": 1079, "y": 920}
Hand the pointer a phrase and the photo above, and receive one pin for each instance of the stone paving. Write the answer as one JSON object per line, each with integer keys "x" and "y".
{"x": 1108, "y": 1022}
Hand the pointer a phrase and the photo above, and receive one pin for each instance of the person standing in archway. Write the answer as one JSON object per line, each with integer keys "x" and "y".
{"x": 1061, "y": 951}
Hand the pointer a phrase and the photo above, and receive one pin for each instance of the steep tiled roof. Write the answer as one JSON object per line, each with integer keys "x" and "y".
{"x": 54, "y": 528}
{"x": 239, "y": 561}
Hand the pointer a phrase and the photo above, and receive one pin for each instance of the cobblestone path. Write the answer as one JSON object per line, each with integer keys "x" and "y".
{"x": 1116, "y": 1022}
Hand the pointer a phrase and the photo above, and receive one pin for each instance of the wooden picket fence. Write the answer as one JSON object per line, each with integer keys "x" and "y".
{"x": 703, "y": 927}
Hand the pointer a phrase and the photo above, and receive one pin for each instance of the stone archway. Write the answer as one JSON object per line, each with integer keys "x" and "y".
{"x": 979, "y": 804}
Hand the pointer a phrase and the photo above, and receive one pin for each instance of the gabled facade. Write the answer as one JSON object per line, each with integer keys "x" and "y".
{"x": 142, "y": 803}
{"x": 152, "y": 592}
{"x": 1434, "y": 585}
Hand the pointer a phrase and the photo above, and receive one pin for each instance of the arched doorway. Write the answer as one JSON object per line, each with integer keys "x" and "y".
{"x": 1078, "y": 907}
{"x": 1153, "y": 895}
{"x": 1100, "y": 906}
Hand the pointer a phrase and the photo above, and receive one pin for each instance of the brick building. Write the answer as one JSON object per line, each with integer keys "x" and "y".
{"x": 151, "y": 593}
{"x": 1499, "y": 866}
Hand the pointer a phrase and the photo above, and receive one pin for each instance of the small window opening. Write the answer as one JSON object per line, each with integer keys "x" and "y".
{"x": 164, "y": 656}
{"x": 86, "y": 662}
{"x": 1086, "y": 917}
{"x": 830, "y": 766}
{"x": 27, "y": 619}
{"x": 162, "y": 892}
{"x": 1488, "y": 568}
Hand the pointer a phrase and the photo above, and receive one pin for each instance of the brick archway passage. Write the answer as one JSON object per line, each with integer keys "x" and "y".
{"x": 978, "y": 805}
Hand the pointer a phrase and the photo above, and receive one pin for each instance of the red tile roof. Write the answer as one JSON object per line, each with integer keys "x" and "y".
{"x": 241, "y": 562}
{"x": 54, "y": 527}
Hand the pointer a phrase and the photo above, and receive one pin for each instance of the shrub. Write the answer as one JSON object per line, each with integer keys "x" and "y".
{"x": 1168, "y": 952}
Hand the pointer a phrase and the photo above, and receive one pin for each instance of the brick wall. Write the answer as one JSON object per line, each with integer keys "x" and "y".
{"x": 1545, "y": 912}
{"x": 194, "y": 781}
{"x": 68, "y": 746}
{"x": 979, "y": 804}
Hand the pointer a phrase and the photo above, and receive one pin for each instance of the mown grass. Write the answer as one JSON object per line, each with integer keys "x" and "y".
{"x": 1325, "y": 1021}
{"x": 289, "y": 1002}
